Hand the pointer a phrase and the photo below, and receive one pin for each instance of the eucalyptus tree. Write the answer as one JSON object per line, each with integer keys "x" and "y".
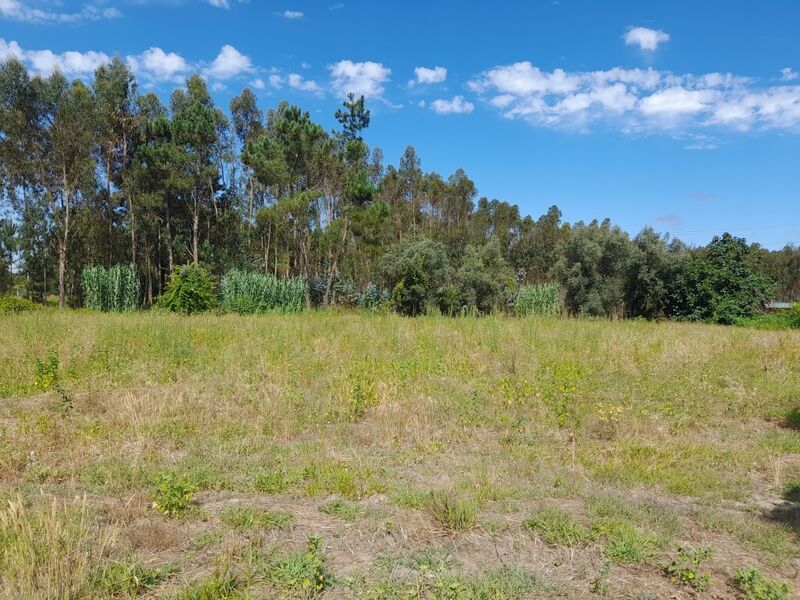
{"x": 196, "y": 125}
{"x": 69, "y": 162}
{"x": 115, "y": 93}
{"x": 248, "y": 124}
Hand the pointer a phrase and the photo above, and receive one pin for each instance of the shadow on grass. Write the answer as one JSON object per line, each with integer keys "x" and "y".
{"x": 792, "y": 419}
{"x": 787, "y": 512}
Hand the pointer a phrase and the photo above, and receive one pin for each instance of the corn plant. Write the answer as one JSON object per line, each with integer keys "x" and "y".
{"x": 115, "y": 289}
{"x": 244, "y": 293}
{"x": 542, "y": 299}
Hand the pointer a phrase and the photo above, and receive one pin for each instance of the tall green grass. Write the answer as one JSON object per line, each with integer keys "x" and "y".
{"x": 541, "y": 299}
{"x": 115, "y": 289}
{"x": 244, "y": 292}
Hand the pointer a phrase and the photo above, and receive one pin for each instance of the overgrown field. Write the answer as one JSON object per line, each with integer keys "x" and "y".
{"x": 373, "y": 456}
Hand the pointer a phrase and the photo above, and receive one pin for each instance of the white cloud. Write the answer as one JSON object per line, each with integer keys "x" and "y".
{"x": 456, "y": 106}
{"x": 220, "y": 3}
{"x": 156, "y": 65}
{"x": 787, "y": 74}
{"x": 292, "y": 14}
{"x": 258, "y": 84}
{"x": 360, "y": 78}
{"x": 676, "y": 101}
{"x": 297, "y": 82}
{"x": 17, "y": 10}
{"x": 645, "y": 38}
{"x": 426, "y": 75}
{"x": 275, "y": 81}
{"x": 229, "y": 63}
{"x": 69, "y": 63}
{"x": 633, "y": 100}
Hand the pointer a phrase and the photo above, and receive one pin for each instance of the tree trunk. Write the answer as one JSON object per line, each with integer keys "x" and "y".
{"x": 196, "y": 234}
{"x": 62, "y": 267}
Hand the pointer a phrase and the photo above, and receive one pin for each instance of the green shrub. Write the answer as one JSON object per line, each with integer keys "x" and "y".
{"x": 191, "y": 289}
{"x": 754, "y": 585}
{"x": 115, "y": 289}
{"x": 245, "y": 293}
{"x": 173, "y": 494}
{"x": 685, "y": 567}
{"x": 793, "y": 316}
{"x": 14, "y": 304}
{"x": 542, "y": 299}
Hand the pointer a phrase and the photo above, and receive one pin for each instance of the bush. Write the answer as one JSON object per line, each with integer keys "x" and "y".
{"x": 115, "y": 289}
{"x": 416, "y": 270}
{"x": 754, "y": 585}
{"x": 542, "y": 299}
{"x": 173, "y": 494}
{"x": 13, "y": 304}
{"x": 191, "y": 289}
{"x": 245, "y": 293}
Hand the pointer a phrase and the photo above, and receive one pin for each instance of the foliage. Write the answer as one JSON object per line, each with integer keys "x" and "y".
{"x": 244, "y": 292}
{"x": 591, "y": 269}
{"x": 191, "y": 289}
{"x": 46, "y": 372}
{"x": 416, "y": 271}
{"x": 685, "y": 567}
{"x": 100, "y": 172}
{"x": 173, "y": 494}
{"x": 754, "y": 585}
{"x": 302, "y": 572}
{"x": 719, "y": 284}
{"x": 14, "y": 304}
{"x": 481, "y": 283}
{"x": 537, "y": 299}
{"x": 115, "y": 289}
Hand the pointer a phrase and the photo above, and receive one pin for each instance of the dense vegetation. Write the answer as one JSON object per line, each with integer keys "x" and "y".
{"x": 98, "y": 174}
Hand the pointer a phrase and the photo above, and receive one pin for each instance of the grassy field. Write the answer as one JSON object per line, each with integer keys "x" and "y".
{"x": 357, "y": 456}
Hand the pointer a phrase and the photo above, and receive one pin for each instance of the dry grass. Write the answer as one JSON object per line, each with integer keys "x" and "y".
{"x": 575, "y": 456}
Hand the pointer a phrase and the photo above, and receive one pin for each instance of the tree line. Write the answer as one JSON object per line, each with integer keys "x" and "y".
{"x": 98, "y": 174}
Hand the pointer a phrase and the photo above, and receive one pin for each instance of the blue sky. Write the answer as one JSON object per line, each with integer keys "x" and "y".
{"x": 680, "y": 115}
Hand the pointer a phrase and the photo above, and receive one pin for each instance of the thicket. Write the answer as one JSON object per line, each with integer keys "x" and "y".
{"x": 111, "y": 290}
{"x": 191, "y": 289}
{"x": 244, "y": 292}
{"x": 542, "y": 299}
{"x": 14, "y": 304}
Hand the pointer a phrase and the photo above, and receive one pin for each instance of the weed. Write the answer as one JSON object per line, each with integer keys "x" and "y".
{"x": 173, "y": 494}
{"x": 754, "y": 585}
{"x": 243, "y": 519}
{"x": 302, "y": 572}
{"x": 685, "y": 567}
{"x": 117, "y": 577}
{"x": 456, "y": 513}
{"x": 51, "y": 551}
{"x": 343, "y": 510}
{"x": 556, "y": 527}
{"x": 362, "y": 395}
